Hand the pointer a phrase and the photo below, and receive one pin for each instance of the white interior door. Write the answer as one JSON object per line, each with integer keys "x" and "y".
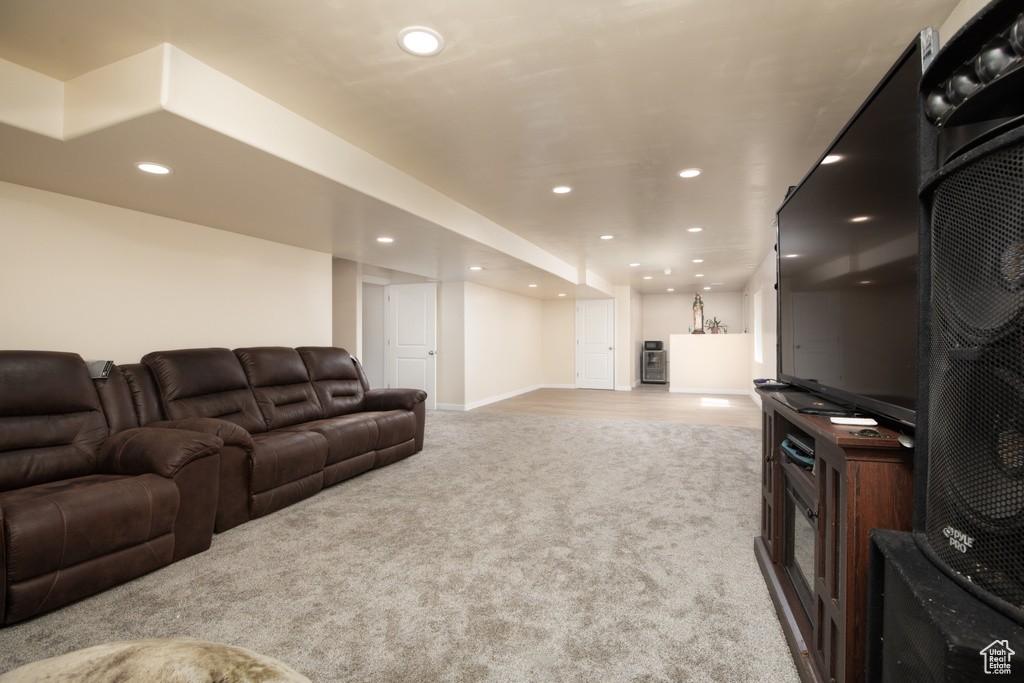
{"x": 595, "y": 342}
{"x": 816, "y": 322}
{"x": 412, "y": 338}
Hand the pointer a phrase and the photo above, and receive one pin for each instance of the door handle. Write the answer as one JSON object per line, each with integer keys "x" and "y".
{"x": 610, "y": 348}
{"x": 430, "y": 353}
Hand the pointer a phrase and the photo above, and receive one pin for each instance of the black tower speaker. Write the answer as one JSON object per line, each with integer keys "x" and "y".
{"x": 974, "y": 203}
{"x": 947, "y": 602}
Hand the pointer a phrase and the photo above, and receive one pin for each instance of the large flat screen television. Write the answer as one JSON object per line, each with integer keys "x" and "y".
{"x": 848, "y": 259}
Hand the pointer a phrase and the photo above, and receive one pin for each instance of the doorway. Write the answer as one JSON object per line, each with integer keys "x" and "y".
{"x": 411, "y": 345}
{"x": 595, "y": 344}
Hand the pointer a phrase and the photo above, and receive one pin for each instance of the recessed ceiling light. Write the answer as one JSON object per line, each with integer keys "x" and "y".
{"x": 670, "y": 289}
{"x": 699, "y": 275}
{"x": 476, "y": 268}
{"x": 385, "y": 240}
{"x": 706, "y": 289}
{"x": 561, "y": 189}
{"x": 633, "y": 265}
{"x": 751, "y": 265}
{"x": 860, "y": 219}
{"x": 694, "y": 229}
{"x": 607, "y": 237}
{"x": 690, "y": 173}
{"x": 150, "y": 167}
{"x": 420, "y": 41}
{"x": 648, "y": 277}
{"x": 698, "y": 260}
{"x": 831, "y": 159}
{"x": 533, "y": 285}
{"x": 561, "y": 295}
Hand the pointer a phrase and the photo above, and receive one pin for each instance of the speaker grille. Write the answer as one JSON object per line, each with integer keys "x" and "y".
{"x": 975, "y": 499}
{"x": 913, "y": 651}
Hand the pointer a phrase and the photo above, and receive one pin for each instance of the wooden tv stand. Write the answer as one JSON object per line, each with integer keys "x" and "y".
{"x": 814, "y": 546}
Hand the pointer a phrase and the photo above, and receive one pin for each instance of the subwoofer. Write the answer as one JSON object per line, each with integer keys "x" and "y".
{"x": 973, "y": 207}
{"x": 933, "y": 629}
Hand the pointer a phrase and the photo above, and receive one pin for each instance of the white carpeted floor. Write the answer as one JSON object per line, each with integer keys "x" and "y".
{"x": 513, "y": 548}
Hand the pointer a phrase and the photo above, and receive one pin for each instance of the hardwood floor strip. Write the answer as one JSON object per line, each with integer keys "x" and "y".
{"x": 648, "y": 402}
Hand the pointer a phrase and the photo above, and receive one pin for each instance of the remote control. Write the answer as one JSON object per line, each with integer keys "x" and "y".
{"x": 859, "y": 421}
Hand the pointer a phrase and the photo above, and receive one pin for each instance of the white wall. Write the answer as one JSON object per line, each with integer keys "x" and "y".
{"x": 558, "y": 354}
{"x": 762, "y": 284}
{"x": 628, "y": 342}
{"x": 451, "y": 345}
{"x": 347, "y": 306}
{"x": 109, "y": 283}
{"x": 636, "y": 331}
{"x": 374, "y": 334}
{"x": 503, "y": 347}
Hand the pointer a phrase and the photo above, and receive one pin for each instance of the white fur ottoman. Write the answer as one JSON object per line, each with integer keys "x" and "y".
{"x": 159, "y": 660}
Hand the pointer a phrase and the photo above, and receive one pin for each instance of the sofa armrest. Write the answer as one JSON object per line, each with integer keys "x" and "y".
{"x": 393, "y": 399}
{"x": 158, "y": 451}
{"x": 235, "y": 465}
{"x": 229, "y": 432}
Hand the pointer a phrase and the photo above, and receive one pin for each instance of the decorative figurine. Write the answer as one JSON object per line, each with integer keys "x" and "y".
{"x": 698, "y": 315}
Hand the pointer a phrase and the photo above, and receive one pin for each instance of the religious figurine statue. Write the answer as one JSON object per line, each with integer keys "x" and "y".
{"x": 698, "y": 315}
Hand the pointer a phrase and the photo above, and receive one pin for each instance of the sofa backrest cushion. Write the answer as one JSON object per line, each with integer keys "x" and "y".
{"x": 280, "y": 383}
{"x": 116, "y": 399}
{"x": 51, "y": 421}
{"x": 335, "y": 379}
{"x": 205, "y": 383}
{"x": 144, "y": 392}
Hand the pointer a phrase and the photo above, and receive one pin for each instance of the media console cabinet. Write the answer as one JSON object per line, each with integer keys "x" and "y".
{"x": 814, "y": 545}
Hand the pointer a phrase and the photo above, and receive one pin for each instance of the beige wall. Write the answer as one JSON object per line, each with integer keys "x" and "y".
{"x": 668, "y": 314}
{"x": 762, "y": 284}
{"x": 503, "y": 344}
{"x": 558, "y": 354}
{"x": 636, "y": 323}
{"x": 451, "y": 345}
{"x": 109, "y": 283}
{"x": 347, "y": 306}
{"x": 628, "y": 337}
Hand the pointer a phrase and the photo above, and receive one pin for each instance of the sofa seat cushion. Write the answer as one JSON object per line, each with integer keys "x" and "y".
{"x": 286, "y": 466}
{"x": 348, "y": 436}
{"x": 394, "y": 427}
{"x": 53, "y": 526}
{"x": 352, "y": 443}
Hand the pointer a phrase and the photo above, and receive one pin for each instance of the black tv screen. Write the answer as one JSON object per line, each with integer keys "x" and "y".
{"x": 848, "y": 258}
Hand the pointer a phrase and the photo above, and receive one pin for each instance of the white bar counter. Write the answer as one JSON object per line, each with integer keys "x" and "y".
{"x": 710, "y": 363}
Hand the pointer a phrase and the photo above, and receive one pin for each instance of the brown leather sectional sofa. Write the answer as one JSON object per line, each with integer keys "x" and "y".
{"x": 104, "y": 480}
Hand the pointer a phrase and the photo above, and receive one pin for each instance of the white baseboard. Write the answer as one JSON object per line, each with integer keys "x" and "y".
{"x": 494, "y": 399}
{"x": 740, "y": 392}
{"x": 486, "y": 401}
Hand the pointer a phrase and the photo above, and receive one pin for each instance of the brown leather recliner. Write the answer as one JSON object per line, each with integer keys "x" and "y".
{"x": 82, "y": 508}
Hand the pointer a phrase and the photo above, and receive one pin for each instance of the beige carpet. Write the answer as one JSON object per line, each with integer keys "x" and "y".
{"x": 513, "y": 548}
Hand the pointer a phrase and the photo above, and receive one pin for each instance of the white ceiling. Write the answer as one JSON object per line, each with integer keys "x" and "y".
{"x": 611, "y": 97}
